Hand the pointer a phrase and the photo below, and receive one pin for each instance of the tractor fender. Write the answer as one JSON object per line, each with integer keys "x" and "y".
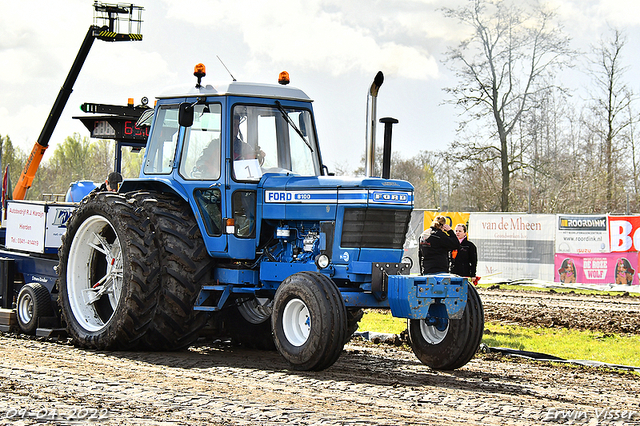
{"x": 158, "y": 185}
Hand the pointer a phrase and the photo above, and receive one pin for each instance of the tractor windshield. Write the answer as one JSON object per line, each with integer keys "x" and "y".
{"x": 273, "y": 139}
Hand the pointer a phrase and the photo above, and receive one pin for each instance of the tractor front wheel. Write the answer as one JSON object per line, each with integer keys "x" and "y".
{"x": 309, "y": 321}
{"x": 454, "y": 346}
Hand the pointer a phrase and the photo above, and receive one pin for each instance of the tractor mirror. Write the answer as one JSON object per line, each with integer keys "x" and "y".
{"x": 185, "y": 114}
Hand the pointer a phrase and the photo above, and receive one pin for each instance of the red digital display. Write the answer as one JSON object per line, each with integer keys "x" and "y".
{"x": 119, "y": 128}
{"x": 131, "y": 130}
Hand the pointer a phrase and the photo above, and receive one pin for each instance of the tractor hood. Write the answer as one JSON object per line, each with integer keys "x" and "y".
{"x": 318, "y": 197}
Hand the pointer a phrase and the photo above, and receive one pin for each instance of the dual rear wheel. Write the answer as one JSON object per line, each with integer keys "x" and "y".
{"x": 129, "y": 273}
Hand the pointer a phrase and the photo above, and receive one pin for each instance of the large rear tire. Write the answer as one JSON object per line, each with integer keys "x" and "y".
{"x": 185, "y": 266}
{"x": 108, "y": 274}
{"x": 309, "y": 321}
{"x": 457, "y": 344}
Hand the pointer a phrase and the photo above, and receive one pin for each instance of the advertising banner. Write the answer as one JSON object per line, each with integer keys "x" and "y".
{"x": 597, "y": 268}
{"x": 623, "y": 233}
{"x": 25, "y": 226}
{"x": 582, "y": 234}
{"x": 514, "y": 246}
{"x": 411, "y": 243}
{"x": 453, "y": 218}
{"x": 56, "y": 225}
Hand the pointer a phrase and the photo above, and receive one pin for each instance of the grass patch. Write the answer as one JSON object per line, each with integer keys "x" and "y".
{"x": 564, "y": 343}
{"x": 381, "y": 322}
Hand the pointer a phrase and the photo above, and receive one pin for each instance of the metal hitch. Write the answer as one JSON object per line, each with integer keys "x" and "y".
{"x": 412, "y": 296}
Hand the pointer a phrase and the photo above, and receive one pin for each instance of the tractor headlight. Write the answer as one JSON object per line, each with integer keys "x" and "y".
{"x": 322, "y": 261}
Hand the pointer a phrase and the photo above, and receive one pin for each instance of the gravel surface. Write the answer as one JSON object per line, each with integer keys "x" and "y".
{"x": 368, "y": 385}
{"x": 43, "y": 382}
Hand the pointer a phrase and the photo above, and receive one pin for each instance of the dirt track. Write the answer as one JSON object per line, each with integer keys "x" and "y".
{"x": 607, "y": 314}
{"x": 368, "y": 385}
{"x": 380, "y": 385}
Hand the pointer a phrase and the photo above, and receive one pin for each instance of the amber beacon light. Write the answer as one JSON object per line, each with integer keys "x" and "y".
{"x": 199, "y": 71}
{"x": 283, "y": 78}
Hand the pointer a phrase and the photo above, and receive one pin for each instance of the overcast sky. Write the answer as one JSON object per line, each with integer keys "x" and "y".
{"x": 331, "y": 48}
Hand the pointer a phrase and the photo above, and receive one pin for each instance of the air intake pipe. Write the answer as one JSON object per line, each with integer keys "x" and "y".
{"x": 372, "y": 97}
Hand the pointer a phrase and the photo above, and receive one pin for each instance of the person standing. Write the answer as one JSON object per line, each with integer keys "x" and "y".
{"x": 435, "y": 244}
{"x": 465, "y": 259}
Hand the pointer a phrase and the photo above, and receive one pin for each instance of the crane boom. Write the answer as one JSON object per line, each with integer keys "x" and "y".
{"x": 109, "y": 14}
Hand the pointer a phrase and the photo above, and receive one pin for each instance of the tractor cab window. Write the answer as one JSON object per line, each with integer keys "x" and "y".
{"x": 273, "y": 139}
{"x": 201, "y": 151}
{"x": 164, "y": 139}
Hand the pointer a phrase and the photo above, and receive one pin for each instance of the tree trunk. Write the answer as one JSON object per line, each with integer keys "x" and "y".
{"x": 504, "y": 159}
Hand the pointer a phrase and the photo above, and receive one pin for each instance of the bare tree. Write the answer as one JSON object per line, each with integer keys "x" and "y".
{"x": 612, "y": 99}
{"x": 510, "y": 55}
{"x": 635, "y": 172}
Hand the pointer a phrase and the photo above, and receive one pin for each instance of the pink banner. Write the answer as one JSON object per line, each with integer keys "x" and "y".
{"x": 600, "y": 268}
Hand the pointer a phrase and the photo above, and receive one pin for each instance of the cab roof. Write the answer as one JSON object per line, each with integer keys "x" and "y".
{"x": 237, "y": 88}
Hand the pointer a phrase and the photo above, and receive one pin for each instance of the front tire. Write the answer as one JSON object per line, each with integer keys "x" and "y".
{"x": 309, "y": 321}
{"x": 455, "y": 346}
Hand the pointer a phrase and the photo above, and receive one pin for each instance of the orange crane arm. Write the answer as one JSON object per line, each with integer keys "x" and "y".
{"x": 106, "y": 33}
{"x": 29, "y": 171}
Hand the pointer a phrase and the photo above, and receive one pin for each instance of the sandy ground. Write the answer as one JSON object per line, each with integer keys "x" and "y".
{"x": 44, "y": 382}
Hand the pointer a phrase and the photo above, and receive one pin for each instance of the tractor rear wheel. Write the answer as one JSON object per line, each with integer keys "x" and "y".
{"x": 455, "y": 346}
{"x": 309, "y": 321}
{"x": 108, "y": 274}
{"x": 185, "y": 265}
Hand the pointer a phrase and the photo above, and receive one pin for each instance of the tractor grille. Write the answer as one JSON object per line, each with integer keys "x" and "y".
{"x": 375, "y": 228}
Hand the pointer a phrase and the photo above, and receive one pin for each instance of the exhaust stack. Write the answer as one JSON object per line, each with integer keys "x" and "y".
{"x": 372, "y": 97}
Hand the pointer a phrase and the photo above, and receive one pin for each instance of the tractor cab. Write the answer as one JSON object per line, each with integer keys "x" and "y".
{"x": 212, "y": 145}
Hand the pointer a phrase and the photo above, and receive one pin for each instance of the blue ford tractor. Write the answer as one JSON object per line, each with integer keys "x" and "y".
{"x": 236, "y": 229}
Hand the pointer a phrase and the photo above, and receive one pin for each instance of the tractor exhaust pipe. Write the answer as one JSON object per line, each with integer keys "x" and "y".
{"x": 372, "y": 97}
{"x": 386, "y": 152}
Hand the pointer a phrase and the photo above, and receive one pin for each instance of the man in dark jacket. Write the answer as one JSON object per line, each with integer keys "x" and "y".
{"x": 435, "y": 244}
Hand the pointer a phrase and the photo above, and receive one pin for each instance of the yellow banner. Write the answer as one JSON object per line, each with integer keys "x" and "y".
{"x": 453, "y": 218}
